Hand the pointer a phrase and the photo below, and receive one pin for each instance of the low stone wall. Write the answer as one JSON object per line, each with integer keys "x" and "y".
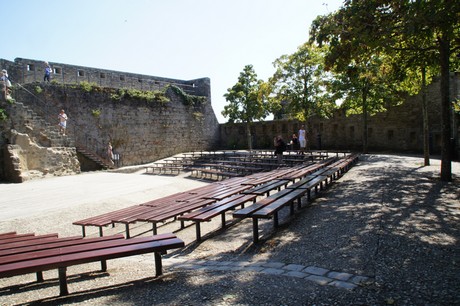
{"x": 25, "y": 160}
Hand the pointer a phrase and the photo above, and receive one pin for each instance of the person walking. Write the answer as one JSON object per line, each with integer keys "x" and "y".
{"x": 302, "y": 139}
{"x": 62, "y": 121}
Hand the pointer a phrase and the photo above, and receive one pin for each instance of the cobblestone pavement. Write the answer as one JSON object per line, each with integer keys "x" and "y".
{"x": 318, "y": 275}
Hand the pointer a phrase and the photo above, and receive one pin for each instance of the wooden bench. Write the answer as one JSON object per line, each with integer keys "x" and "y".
{"x": 269, "y": 206}
{"x": 62, "y": 254}
{"x": 267, "y": 187}
{"x": 206, "y": 213}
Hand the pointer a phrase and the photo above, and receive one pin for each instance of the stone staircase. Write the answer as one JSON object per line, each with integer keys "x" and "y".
{"x": 95, "y": 157}
{"x": 25, "y": 120}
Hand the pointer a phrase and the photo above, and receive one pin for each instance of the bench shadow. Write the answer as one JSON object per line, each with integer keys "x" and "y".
{"x": 51, "y": 282}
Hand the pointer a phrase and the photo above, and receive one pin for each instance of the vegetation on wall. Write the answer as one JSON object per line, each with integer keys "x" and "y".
{"x": 186, "y": 98}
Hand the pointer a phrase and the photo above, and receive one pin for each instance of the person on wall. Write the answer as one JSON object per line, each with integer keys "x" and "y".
{"x": 5, "y": 84}
{"x": 48, "y": 72}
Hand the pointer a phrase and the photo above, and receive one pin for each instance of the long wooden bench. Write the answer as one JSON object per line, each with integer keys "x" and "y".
{"x": 267, "y": 187}
{"x": 270, "y": 206}
{"x": 206, "y": 213}
{"x": 65, "y": 253}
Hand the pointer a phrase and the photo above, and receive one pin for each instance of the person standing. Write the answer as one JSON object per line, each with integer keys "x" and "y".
{"x": 110, "y": 152}
{"x": 62, "y": 121}
{"x": 280, "y": 147}
{"x": 294, "y": 142}
{"x": 302, "y": 139}
{"x": 6, "y": 84}
{"x": 48, "y": 72}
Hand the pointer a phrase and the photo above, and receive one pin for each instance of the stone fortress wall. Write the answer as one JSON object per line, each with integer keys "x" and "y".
{"x": 140, "y": 131}
{"x": 28, "y": 71}
{"x": 143, "y": 132}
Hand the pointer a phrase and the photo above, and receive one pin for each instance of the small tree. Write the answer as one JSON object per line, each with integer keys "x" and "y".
{"x": 246, "y": 104}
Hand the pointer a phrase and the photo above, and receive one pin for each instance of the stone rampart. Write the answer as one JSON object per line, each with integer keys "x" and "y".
{"x": 140, "y": 131}
{"x": 28, "y": 71}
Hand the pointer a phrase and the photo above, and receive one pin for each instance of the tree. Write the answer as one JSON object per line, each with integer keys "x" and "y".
{"x": 298, "y": 83}
{"x": 246, "y": 104}
{"x": 365, "y": 88}
{"x": 388, "y": 25}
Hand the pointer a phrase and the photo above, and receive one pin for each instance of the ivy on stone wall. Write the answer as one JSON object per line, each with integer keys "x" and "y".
{"x": 145, "y": 95}
{"x": 186, "y": 98}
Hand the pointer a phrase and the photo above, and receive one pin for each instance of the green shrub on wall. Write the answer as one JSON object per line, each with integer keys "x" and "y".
{"x": 143, "y": 95}
{"x": 186, "y": 98}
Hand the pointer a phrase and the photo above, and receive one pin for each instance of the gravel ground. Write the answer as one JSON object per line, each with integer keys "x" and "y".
{"x": 389, "y": 219}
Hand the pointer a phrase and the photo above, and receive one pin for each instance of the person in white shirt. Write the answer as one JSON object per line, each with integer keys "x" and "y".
{"x": 302, "y": 139}
{"x": 62, "y": 121}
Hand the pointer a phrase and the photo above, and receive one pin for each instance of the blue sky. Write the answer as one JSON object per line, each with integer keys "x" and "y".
{"x": 177, "y": 39}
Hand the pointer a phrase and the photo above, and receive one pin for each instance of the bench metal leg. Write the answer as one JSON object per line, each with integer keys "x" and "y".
{"x": 63, "y": 281}
{"x": 182, "y": 224}
{"x": 158, "y": 264}
{"x": 198, "y": 230}
{"x": 255, "y": 230}
{"x": 83, "y": 231}
{"x": 275, "y": 219}
{"x": 127, "y": 231}
{"x": 291, "y": 207}
{"x": 154, "y": 228}
{"x": 223, "y": 220}
{"x": 39, "y": 277}
{"x": 101, "y": 233}
{"x": 103, "y": 265}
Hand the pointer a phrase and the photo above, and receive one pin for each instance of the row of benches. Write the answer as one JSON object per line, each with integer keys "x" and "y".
{"x": 30, "y": 253}
{"x": 173, "y": 206}
{"x": 310, "y": 177}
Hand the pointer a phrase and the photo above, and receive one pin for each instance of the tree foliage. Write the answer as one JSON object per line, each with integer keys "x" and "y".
{"x": 298, "y": 84}
{"x": 425, "y": 33}
{"x": 246, "y": 101}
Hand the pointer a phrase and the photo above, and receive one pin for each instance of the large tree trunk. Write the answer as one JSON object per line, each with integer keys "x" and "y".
{"x": 426, "y": 131}
{"x": 446, "y": 109}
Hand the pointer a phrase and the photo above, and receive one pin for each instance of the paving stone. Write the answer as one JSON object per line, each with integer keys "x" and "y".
{"x": 359, "y": 279}
{"x": 297, "y": 274}
{"x": 212, "y": 263}
{"x": 254, "y": 269}
{"x": 273, "y": 271}
{"x": 322, "y": 280}
{"x": 225, "y": 263}
{"x": 222, "y": 268}
{"x": 292, "y": 267}
{"x": 315, "y": 270}
{"x": 241, "y": 263}
{"x": 256, "y": 264}
{"x": 339, "y": 275}
{"x": 275, "y": 265}
{"x": 344, "y": 285}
